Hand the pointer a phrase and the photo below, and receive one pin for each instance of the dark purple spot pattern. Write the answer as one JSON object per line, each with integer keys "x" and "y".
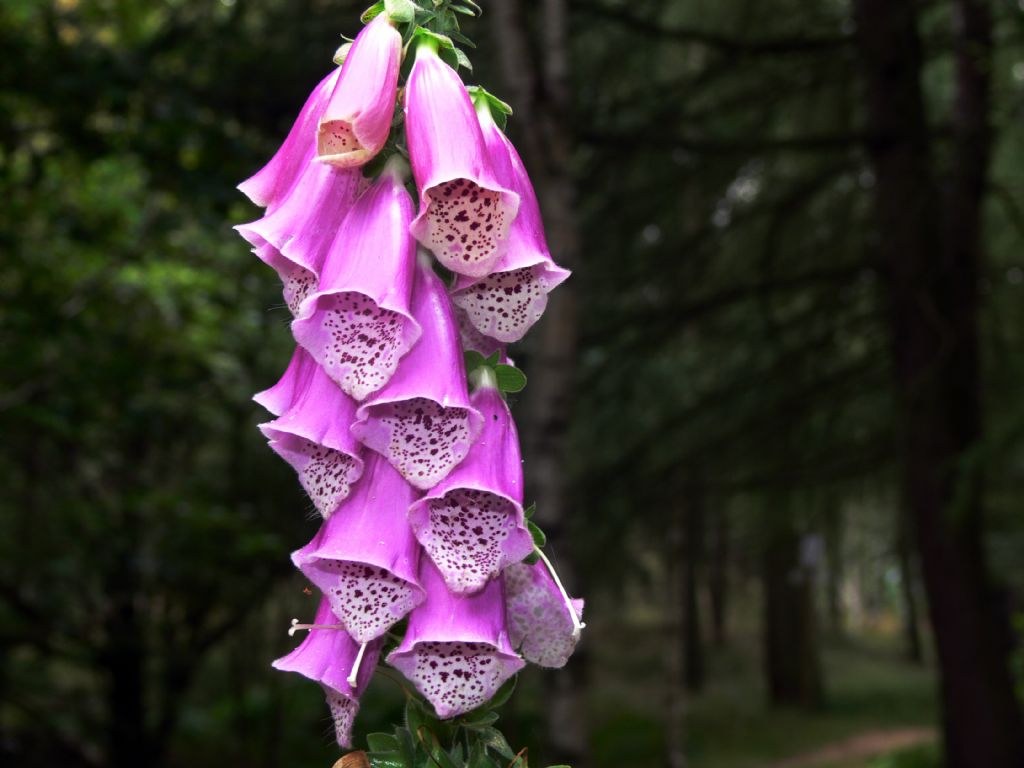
{"x": 367, "y": 599}
{"x": 327, "y": 477}
{"x": 457, "y": 677}
{"x": 426, "y": 440}
{"x": 335, "y": 137}
{"x": 465, "y": 225}
{"x": 298, "y": 284}
{"x": 463, "y": 536}
{"x": 506, "y": 304}
{"x": 343, "y": 713}
{"x": 365, "y": 343}
{"x": 539, "y": 624}
{"x": 471, "y": 338}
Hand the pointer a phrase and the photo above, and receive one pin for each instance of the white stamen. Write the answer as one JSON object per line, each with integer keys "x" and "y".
{"x": 297, "y": 627}
{"x": 577, "y": 625}
{"x": 353, "y": 676}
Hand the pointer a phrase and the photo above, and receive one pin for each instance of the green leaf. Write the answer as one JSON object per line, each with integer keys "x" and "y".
{"x": 473, "y": 360}
{"x": 387, "y": 760}
{"x": 382, "y": 742}
{"x": 530, "y": 511}
{"x": 372, "y": 12}
{"x": 532, "y": 559}
{"x": 480, "y": 719}
{"x": 493, "y": 739}
{"x": 462, "y": 59}
{"x": 414, "y": 717}
{"x": 503, "y": 694}
{"x": 400, "y": 11}
{"x": 539, "y": 539}
{"x": 510, "y": 378}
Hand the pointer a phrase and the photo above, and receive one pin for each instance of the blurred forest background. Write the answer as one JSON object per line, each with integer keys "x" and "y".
{"x": 774, "y": 422}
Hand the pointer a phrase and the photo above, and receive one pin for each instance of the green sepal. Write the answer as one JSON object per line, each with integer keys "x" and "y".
{"x": 510, "y": 379}
{"x": 372, "y": 12}
{"x": 479, "y": 719}
{"x": 539, "y": 539}
{"x": 499, "y": 110}
{"x": 473, "y": 360}
{"x": 503, "y": 694}
{"x": 530, "y": 511}
{"x": 342, "y": 53}
{"x": 532, "y": 559}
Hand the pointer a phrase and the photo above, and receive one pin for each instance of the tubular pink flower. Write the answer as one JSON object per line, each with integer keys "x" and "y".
{"x": 471, "y": 523}
{"x": 471, "y": 338}
{"x": 364, "y": 557}
{"x": 327, "y": 656}
{"x": 313, "y": 436}
{"x": 456, "y": 649}
{"x": 271, "y": 184}
{"x": 357, "y": 120}
{"x": 358, "y": 324}
{"x": 539, "y": 622}
{"x": 505, "y": 304}
{"x": 422, "y": 420}
{"x": 293, "y": 238}
{"x": 465, "y": 213}
{"x": 280, "y": 397}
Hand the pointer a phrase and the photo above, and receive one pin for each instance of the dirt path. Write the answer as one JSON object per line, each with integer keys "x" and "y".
{"x": 864, "y": 745}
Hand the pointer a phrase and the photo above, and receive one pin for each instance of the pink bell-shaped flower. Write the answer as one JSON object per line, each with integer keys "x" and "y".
{"x": 456, "y": 649}
{"x": 471, "y": 523}
{"x": 422, "y": 420}
{"x": 364, "y": 557}
{"x": 333, "y": 659}
{"x": 313, "y": 435}
{"x": 270, "y": 185}
{"x": 539, "y": 620}
{"x": 465, "y": 212}
{"x": 357, "y": 120}
{"x": 505, "y": 304}
{"x": 358, "y": 324}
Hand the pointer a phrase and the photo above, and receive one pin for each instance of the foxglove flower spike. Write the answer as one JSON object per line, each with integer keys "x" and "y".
{"x": 465, "y": 213}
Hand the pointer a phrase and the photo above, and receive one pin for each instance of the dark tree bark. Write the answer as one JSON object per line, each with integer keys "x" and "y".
{"x": 692, "y": 560}
{"x": 792, "y": 664}
{"x": 911, "y": 626}
{"x": 538, "y": 83}
{"x": 930, "y": 245}
{"x": 718, "y": 578}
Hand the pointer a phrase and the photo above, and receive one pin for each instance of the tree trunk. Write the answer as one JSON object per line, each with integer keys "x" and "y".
{"x": 692, "y": 558}
{"x": 539, "y": 92}
{"x": 932, "y": 254}
{"x": 911, "y": 626}
{"x": 718, "y": 578}
{"x": 791, "y": 655}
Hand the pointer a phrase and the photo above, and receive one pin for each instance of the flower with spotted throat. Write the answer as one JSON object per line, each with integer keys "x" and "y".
{"x": 364, "y": 557}
{"x": 471, "y": 523}
{"x": 465, "y": 212}
{"x": 422, "y": 420}
{"x": 505, "y": 304}
{"x": 358, "y": 325}
{"x": 342, "y": 667}
{"x": 456, "y": 649}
